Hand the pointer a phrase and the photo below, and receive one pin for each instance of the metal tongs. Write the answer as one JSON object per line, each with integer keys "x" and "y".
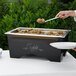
{"x": 44, "y": 21}
{"x": 51, "y": 19}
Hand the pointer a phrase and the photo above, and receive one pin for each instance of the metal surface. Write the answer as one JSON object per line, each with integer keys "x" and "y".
{"x": 51, "y": 19}
{"x": 37, "y": 35}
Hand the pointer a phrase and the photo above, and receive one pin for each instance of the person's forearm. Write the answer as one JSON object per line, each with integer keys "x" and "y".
{"x": 72, "y": 13}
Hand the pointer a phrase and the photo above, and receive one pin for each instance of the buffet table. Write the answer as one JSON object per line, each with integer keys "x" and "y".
{"x": 36, "y": 66}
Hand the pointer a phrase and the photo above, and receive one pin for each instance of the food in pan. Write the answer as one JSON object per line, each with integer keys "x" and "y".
{"x": 23, "y": 30}
{"x": 35, "y": 31}
{"x": 42, "y": 32}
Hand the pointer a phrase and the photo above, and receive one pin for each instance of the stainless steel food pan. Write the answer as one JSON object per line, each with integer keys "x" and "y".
{"x": 37, "y": 35}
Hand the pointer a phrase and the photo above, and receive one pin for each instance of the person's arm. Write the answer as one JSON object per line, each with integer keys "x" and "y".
{"x": 75, "y": 16}
{"x": 65, "y": 14}
{"x": 72, "y": 13}
{"x": 74, "y": 49}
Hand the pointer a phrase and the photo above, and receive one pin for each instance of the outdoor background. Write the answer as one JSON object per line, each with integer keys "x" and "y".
{"x": 24, "y": 13}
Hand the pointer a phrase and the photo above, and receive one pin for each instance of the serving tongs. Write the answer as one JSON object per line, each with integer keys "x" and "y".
{"x": 44, "y": 21}
{"x": 51, "y": 19}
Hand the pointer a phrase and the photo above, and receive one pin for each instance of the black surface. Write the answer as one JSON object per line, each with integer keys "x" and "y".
{"x": 35, "y": 47}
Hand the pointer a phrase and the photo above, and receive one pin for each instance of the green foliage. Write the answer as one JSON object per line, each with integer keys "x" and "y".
{"x": 3, "y": 9}
{"x": 26, "y": 12}
{"x": 73, "y": 5}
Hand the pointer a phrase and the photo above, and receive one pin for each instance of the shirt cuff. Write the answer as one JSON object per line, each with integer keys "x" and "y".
{"x": 75, "y": 17}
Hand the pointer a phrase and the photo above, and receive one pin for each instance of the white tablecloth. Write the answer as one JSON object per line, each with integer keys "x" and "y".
{"x": 36, "y": 66}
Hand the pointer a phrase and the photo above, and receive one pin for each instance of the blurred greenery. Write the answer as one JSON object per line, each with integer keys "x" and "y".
{"x": 24, "y": 13}
{"x": 66, "y": 1}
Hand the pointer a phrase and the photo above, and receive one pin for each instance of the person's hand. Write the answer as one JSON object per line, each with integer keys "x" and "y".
{"x": 65, "y": 14}
{"x": 74, "y": 49}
